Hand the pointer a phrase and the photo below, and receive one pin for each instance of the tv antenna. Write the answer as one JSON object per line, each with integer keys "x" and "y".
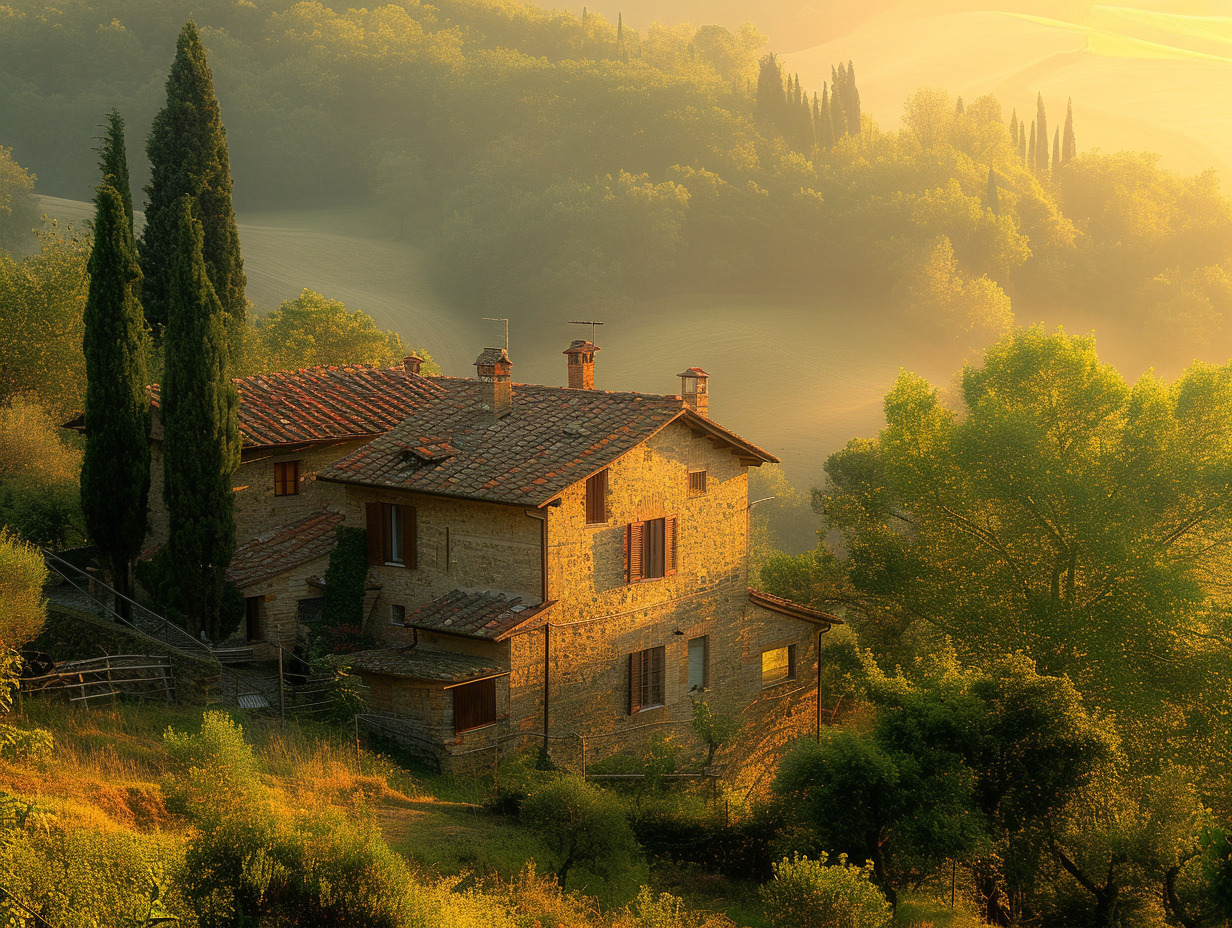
{"x": 504, "y": 320}
{"x": 590, "y": 322}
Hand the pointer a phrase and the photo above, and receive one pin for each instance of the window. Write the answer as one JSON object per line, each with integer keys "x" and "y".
{"x": 596, "y": 498}
{"x": 645, "y": 679}
{"x": 286, "y": 478}
{"x": 397, "y": 615}
{"x": 697, "y": 482}
{"x": 699, "y": 664}
{"x": 474, "y": 705}
{"x": 650, "y": 549}
{"x": 778, "y": 664}
{"x": 391, "y": 534}
{"x": 252, "y": 617}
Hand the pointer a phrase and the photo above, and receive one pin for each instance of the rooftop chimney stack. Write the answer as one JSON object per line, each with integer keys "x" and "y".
{"x": 581, "y": 364}
{"x": 493, "y": 368}
{"x": 695, "y": 390}
{"x": 412, "y": 363}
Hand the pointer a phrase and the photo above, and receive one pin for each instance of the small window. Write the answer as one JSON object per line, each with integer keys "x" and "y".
{"x": 596, "y": 498}
{"x": 397, "y": 615}
{"x": 286, "y": 478}
{"x": 646, "y": 679}
{"x": 650, "y": 549}
{"x": 699, "y": 664}
{"x": 391, "y": 535}
{"x": 778, "y": 664}
{"x": 474, "y": 705}
{"x": 697, "y": 482}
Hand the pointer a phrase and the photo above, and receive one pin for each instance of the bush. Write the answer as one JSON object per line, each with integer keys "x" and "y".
{"x": 809, "y": 894}
{"x": 22, "y": 608}
{"x": 583, "y": 827}
{"x": 216, "y": 768}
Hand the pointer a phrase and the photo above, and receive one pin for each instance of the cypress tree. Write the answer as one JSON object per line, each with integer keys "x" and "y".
{"x": 113, "y": 164}
{"x": 1014, "y": 130}
{"x": 115, "y": 471}
{"x": 825, "y": 127}
{"x": 1056, "y": 150}
{"x": 1041, "y": 138}
{"x": 1022, "y": 143}
{"x": 816, "y": 116}
{"x": 851, "y": 101}
{"x": 991, "y": 199}
{"x": 771, "y": 99}
{"x": 958, "y": 107}
{"x": 188, "y": 155}
{"x": 201, "y": 442}
{"x": 1031, "y": 149}
{"x": 1068, "y": 146}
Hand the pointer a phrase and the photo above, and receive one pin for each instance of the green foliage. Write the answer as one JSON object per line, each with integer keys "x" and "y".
{"x": 343, "y": 600}
{"x": 712, "y": 729}
{"x": 17, "y": 214}
{"x": 815, "y": 894}
{"x": 42, "y": 302}
{"x": 201, "y": 445}
{"x": 25, "y": 743}
{"x": 22, "y": 607}
{"x": 314, "y": 330}
{"x": 115, "y": 473}
{"x": 188, "y": 155}
{"x": 1064, "y": 514}
{"x": 39, "y": 467}
{"x": 113, "y": 165}
{"x": 583, "y": 827}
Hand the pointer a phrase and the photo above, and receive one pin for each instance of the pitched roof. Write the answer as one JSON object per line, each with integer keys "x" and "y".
{"x": 418, "y": 663}
{"x": 282, "y": 548}
{"x": 325, "y": 403}
{"x": 795, "y": 610}
{"x": 550, "y": 438}
{"x": 475, "y": 615}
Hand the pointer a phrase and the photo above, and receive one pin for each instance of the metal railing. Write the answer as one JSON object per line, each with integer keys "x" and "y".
{"x": 141, "y": 620}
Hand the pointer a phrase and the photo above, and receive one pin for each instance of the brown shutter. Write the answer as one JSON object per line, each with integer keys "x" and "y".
{"x": 635, "y": 546}
{"x": 635, "y": 682}
{"x": 410, "y": 537}
{"x": 670, "y": 534}
{"x": 375, "y": 533}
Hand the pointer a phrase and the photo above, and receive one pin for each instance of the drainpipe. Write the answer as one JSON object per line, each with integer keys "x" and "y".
{"x": 547, "y": 627}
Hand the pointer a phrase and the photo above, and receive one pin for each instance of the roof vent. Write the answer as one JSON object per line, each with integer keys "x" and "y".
{"x": 695, "y": 390}
{"x": 581, "y": 364}
{"x": 412, "y": 363}
{"x": 493, "y": 368}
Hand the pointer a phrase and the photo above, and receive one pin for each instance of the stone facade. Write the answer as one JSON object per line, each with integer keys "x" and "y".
{"x": 596, "y": 619}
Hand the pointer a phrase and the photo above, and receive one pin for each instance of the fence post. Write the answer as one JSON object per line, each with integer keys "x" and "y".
{"x": 282, "y": 705}
{"x": 358, "y": 761}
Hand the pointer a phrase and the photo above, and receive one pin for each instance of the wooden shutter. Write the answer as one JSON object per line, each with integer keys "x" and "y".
{"x": 635, "y": 540}
{"x": 474, "y": 705}
{"x": 670, "y": 534}
{"x": 410, "y": 536}
{"x": 635, "y": 682}
{"x": 376, "y": 533}
{"x": 596, "y": 499}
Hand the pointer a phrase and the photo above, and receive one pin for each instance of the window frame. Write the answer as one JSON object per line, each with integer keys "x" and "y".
{"x": 596, "y": 498}
{"x": 379, "y": 525}
{"x": 649, "y": 543}
{"x": 647, "y": 679}
{"x": 285, "y": 485}
{"x": 480, "y": 712}
{"x": 698, "y": 481}
{"x": 790, "y": 674}
{"x": 395, "y": 618}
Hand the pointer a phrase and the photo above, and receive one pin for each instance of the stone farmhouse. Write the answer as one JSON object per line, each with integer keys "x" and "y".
{"x": 546, "y": 564}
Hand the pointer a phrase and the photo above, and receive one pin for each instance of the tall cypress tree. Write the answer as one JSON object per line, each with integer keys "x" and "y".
{"x": 1014, "y": 130}
{"x": 188, "y": 155}
{"x": 1068, "y": 145}
{"x": 1041, "y": 138}
{"x": 201, "y": 441}
{"x": 113, "y": 163}
{"x": 1022, "y": 143}
{"x": 825, "y": 128}
{"x": 1031, "y": 149}
{"x": 771, "y": 98}
{"x": 115, "y": 471}
{"x": 1056, "y": 150}
{"x": 991, "y": 200}
{"x": 958, "y": 107}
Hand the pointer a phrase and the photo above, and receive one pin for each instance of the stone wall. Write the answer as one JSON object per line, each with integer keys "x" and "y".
{"x": 279, "y": 610}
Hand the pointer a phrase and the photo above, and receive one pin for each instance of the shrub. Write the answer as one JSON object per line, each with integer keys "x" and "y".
{"x": 216, "y": 768}
{"x": 712, "y": 729}
{"x": 343, "y": 600}
{"x": 809, "y": 894}
{"x": 22, "y": 607}
{"x": 664, "y": 911}
{"x": 582, "y": 826}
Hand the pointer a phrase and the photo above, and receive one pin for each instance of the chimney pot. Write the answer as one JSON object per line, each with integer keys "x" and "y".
{"x": 412, "y": 363}
{"x": 493, "y": 368}
{"x": 581, "y": 364}
{"x": 695, "y": 390}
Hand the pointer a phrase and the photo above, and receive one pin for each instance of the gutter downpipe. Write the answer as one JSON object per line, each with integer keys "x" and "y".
{"x": 547, "y": 625}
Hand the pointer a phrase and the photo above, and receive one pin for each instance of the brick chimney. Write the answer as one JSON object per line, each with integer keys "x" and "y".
{"x": 412, "y": 363}
{"x": 695, "y": 390}
{"x": 581, "y": 364}
{"x": 493, "y": 368}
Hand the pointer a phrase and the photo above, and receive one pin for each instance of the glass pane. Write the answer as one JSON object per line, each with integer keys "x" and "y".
{"x": 697, "y": 664}
{"x": 775, "y": 666}
{"x": 395, "y": 534}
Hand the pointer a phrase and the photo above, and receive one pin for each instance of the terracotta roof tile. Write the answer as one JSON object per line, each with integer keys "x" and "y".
{"x": 282, "y": 548}
{"x": 326, "y": 403}
{"x": 551, "y": 438}
{"x": 418, "y": 663}
{"x": 795, "y": 610}
{"x": 474, "y": 615}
